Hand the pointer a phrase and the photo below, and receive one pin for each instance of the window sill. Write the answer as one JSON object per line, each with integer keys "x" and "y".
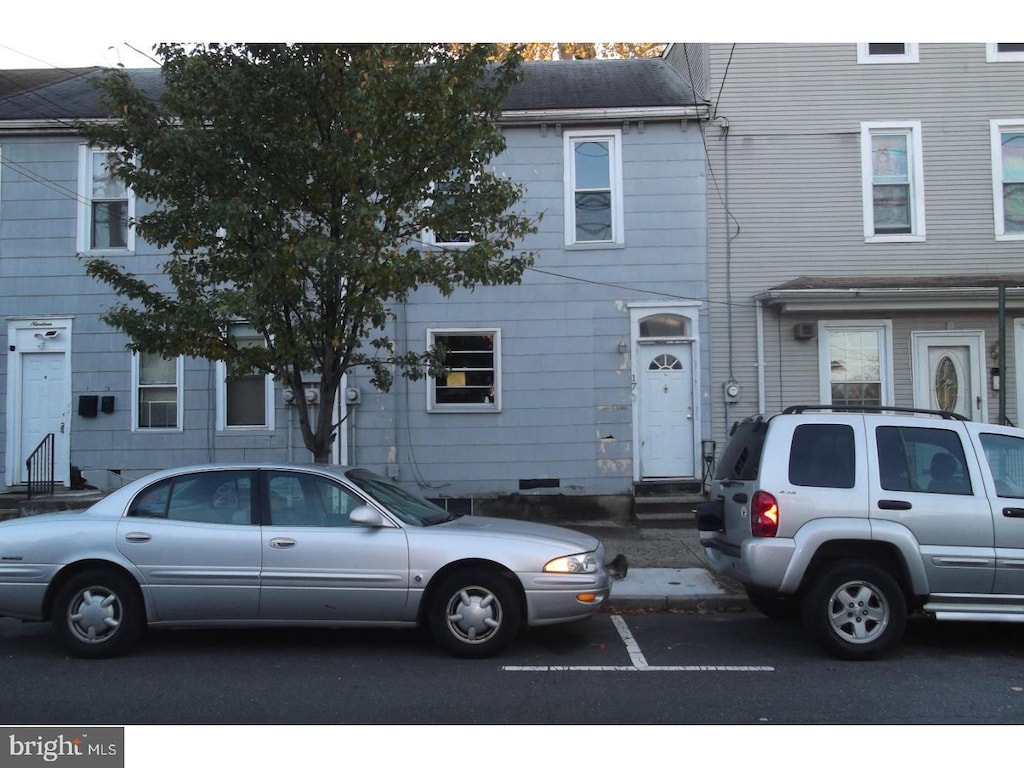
{"x": 1010, "y": 237}
{"x": 595, "y": 246}
{"x": 894, "y": 239}
{"x": 462, "y": 409}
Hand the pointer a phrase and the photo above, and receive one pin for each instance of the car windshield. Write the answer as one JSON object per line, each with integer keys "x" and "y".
{"x": 408, "y": 507}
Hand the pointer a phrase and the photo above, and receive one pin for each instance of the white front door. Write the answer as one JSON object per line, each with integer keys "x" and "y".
{"x": 666, "y": 410}
{"x": 948, "y": 372}
{"x": 39, "y": 394}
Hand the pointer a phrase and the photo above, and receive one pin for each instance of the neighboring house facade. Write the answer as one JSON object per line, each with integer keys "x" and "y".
{"x": 588, "y": 378}
{"x": 866, "y": 227}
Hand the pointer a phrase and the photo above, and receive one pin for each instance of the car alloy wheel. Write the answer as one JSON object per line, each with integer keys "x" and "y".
{"x": 856, "y": 610}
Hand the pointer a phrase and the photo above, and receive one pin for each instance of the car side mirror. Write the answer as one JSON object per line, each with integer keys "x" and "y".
{"x": 366, "y": 516}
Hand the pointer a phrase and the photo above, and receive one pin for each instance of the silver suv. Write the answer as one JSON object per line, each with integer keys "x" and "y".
{"x": 852, "y": 518}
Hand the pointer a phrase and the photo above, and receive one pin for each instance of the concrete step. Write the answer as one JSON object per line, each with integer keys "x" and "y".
{"x": 670, "y": 508}
{"x": 17, "y": 504}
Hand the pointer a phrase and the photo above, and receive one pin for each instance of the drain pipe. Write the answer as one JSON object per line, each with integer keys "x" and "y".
{"x": 759, "y": 325}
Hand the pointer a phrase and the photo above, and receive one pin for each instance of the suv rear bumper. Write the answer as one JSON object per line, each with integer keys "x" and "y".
{"x": 760, "y": 563}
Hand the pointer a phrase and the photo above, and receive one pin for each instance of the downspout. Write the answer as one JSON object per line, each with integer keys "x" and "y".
{"x": 1002, "y": 356}
{"x": 759, "y": 324}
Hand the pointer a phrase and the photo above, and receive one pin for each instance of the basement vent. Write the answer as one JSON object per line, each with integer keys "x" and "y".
{"x": 529, "y": 485}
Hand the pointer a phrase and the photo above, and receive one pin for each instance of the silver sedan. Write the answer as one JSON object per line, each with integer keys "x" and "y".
{"x": 262, "y": 545}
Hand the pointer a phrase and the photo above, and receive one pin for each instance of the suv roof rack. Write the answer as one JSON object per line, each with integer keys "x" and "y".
{"x": 875, "y": 409}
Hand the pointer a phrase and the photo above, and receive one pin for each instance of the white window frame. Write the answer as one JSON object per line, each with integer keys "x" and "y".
{"x": 222, "y": 401}
{"x": 993, "y": 55}
{"x": 915, "y": 172}
{"x": 85, "y": 201}
{"x": 885, "y": 362}
{"x": 137, "y": 386}
{"x": 998, "y": 128}
{"x": 910, "y": 55}
{"x": 430, "y": 237}
{"x": 495, "y": 407}
{"x": 614, "y": 139}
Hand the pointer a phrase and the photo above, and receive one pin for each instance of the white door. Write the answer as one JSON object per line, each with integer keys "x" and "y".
{"x": 43, "y": 408}
{"x": 38, "y": 394}
{"x": 948, "y": 372}
{"x": 666, "y": 410}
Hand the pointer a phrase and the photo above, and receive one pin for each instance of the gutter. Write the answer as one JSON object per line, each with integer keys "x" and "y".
{"x": 63, "y": 125}
{"x": 537, "y": 116}
{"x": 838, "y": 299}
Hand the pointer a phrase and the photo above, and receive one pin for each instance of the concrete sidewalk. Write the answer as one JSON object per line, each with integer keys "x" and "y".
{"x": 667, "y": 570}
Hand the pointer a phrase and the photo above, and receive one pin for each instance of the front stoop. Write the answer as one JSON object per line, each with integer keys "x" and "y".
{"x": 667, "y": 503}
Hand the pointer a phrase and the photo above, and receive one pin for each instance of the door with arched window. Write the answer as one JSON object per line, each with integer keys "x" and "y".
{"x": 665, "y": 388}
{"x": 948, "y": 372}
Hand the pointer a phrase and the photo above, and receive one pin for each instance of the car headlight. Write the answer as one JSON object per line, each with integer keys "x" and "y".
{"x": 582, "y": 563}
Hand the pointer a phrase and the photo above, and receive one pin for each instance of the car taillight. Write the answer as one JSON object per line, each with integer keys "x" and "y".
{"x": 764, "y": 515}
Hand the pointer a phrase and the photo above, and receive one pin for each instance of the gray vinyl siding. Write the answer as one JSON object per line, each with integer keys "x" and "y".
{"x": 566, "y": 388}
{"x": 566, "y": 411}
{"x": 794, "y": 113}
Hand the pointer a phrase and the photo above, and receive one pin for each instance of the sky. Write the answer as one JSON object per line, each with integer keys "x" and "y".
{"x": 29, "y": 39}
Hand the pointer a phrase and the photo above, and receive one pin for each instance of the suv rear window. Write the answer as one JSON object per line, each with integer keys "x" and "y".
{"x": 823, "y": 456}
{"x": 742, "y": 454}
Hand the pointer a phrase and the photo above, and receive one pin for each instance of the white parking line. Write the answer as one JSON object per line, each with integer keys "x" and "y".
{"x": 639, "y": 662}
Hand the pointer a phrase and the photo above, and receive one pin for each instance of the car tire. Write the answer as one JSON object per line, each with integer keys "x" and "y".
{"x": 856, "y": 611}
{"x": 775, "y": 606}
{"x": 474, "y": 613}
{"x": 97, "y": 614}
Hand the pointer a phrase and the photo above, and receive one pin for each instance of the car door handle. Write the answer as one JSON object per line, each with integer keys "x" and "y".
{"x": 137, "y": 537}
{"x": 1013, "y": 512}
{"x": 893, "y": 504}
{"x": 282, "y": 543}
{"x": 739, "y": 498}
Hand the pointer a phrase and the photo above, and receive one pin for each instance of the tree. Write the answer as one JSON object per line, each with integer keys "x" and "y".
{"x": 564, "y": 51}
{"x": 291, "y": 185}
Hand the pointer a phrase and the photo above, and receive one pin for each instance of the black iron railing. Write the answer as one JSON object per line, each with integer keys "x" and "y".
{"x": 40, "y": 467}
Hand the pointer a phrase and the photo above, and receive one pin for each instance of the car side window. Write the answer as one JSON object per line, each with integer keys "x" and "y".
{"x": 1005, "y": 457}
{"x": 823, "y": 456}
{"x": 922, "y": 460}
{"x": 208, "y": 497}
{"x": 299, "y": 499}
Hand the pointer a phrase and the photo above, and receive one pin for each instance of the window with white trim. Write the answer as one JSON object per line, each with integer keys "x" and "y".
{"x": 244, "y": 400}
{"x": 893, "y": 182}
{"x": 1008, "y": 178}
{"x": 471, "y": 380}
{"x": 444, "y": 194}
{"x": 156, "y": 381}
{"x": 593, "y": 187}
{"x": 996, "y": 52}
{"x": 887, "y": 53}
{"x": 855, "y": 362}
{"x": 105, "y": 205}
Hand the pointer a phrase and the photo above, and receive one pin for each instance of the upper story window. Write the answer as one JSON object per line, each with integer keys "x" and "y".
{"x": 157, "y": 384}
{"x": 887, "y": 53}
{"x": 1008, "y": 178}
{"x": 471, "y": 380}
{"x": 855, "y": 362}
{"x": 444, "y": 195}
{"x": 893, "y": 182}
{"x": 593, "y": 188}
{"x": 106, "y": 205}
{"x": 1004, "y": 52}
{"x": 244, "y": 400}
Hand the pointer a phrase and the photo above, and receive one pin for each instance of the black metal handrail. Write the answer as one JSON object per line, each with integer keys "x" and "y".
{"x": 39, "y": 467}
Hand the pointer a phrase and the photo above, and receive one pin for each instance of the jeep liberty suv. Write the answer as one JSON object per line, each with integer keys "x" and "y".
{"x": 854, "y": 517}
